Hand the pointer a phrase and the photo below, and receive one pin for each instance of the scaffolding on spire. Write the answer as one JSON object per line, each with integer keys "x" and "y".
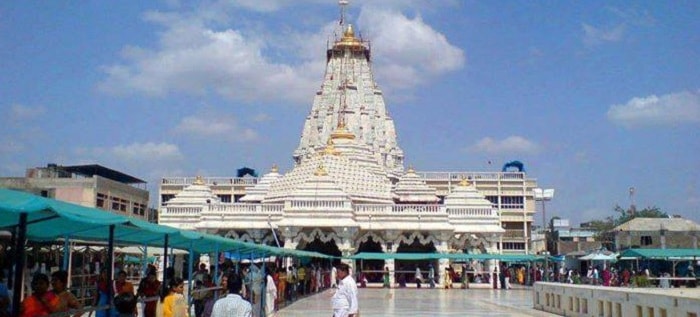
{"x": 343, "y": 4}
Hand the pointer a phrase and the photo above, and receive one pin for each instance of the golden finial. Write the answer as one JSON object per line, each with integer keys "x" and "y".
{"x": 274, "y": 168}
{"x": 410, "y": 170}
{"x": 349, "y": 39}
{"x": 342, "y": 133}
{"x": 349, "y": 32}
{"x": 320, "y": 171}
{"x": 199, "y": 180}
{"x": 464, "y": 182}
{"x": 330, "y": 148}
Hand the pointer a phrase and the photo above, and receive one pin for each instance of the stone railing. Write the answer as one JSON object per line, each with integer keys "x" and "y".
{"x": 238, "y": 208}
{"x": 369, "y": 209}
{"x": 182, "y": 210}
{"x": 476, "y": 176}
{"x": 585, "y": 300}
{"x": 316, "y": 204}
{"x": 472, "y": 212}
{"x": 210, "y": 181}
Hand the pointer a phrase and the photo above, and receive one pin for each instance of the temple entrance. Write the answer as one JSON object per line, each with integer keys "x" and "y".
{"x": 329, "y": 248}
{"x": 372, "y": 269}
{"x": 406, "y": 269}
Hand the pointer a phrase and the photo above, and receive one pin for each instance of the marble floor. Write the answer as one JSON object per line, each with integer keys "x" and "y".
{"x": 423, "y": 302}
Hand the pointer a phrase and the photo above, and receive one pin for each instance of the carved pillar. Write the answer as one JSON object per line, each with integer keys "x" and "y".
{"x": 391, "y": 245}
{"x": 492, "y": 248}
{"x": 443, "y": 263}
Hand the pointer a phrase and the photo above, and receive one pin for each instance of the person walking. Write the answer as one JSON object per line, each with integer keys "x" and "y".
{"x": 431, "y": 275}
{"x": 418, "y": 277}
{"x": 270, "y": 295}
{"x": 344, "y": 301}
{"x": 233, "y": 305}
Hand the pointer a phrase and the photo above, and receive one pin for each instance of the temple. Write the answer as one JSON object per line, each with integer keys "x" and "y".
{"x": 349, "y": 190}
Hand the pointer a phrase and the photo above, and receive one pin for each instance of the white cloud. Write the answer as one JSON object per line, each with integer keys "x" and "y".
{"x": 594, "y": 36}
{"x": 149, "y": 152}
{"x": 210, "y": 123}
{"x": 408, "y": 50}
{"x": 510, "y": 145}
{"x": 19, "y": 112}
{"x": 194, "y": 59}
{"x": 670, "y": 109}
{"x": 247, "y": 63}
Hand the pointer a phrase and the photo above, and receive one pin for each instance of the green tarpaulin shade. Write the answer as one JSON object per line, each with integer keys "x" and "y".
{"x": 661, "y": 254}
{"x": 451, "y": 256}
{"x": 50, "y": 219}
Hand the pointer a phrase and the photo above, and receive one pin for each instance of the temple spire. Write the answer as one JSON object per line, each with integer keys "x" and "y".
{"x": 343, "y": 4}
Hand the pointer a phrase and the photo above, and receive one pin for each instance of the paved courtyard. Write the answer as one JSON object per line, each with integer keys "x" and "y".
{"x": 423, "y": 302}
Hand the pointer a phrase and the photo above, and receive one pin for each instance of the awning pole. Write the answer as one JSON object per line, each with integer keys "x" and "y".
{"x": 110, "y": 264}
{"x": 66, "y": 253}
{"x": 216, "y": 264}
{"x": 164, "y": 289}
{"x": 19, "y": 263}
{"x": 144, "y": 261}
{"x": 189, "y": 273}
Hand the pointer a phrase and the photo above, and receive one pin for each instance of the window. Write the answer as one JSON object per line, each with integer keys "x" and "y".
{"x": 165, "y": 197}
{"x": 512, "y": 202}
{"x": 225, "y": 198}
{"x": 645, "y": 240}
{"x": 493, "y": 200}
{"x": 513, "y": 246}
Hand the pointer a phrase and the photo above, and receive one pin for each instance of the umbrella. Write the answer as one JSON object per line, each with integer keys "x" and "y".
{"x": 599, "y": 257}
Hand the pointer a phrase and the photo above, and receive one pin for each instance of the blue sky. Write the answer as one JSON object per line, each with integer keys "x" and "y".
{"x": 594, "y": 97}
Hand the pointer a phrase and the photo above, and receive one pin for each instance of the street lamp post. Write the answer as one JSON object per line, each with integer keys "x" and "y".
{"x": 544, "y": 195}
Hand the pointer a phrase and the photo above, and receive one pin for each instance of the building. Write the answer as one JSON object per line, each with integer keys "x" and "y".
{"x": 571, "y": 240}
{"x": 349, "y": 190}
{"x": 656, "y": 233}
{"x": 87, "y": 185}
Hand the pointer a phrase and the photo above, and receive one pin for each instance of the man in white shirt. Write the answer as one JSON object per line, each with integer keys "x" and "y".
{"x": 344, "y": 300}
{"x": 334, "y": 277}
{"x": 233, "y": 305}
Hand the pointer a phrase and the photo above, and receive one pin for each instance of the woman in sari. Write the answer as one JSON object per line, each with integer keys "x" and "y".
{"x": 174, "y": 303}
{"x": 102, "y": 294}
{"x": 148, "y": 291}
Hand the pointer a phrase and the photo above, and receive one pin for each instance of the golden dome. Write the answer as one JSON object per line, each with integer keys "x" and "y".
{"x": 342, "y": 133}
{"x": 320, "y": 171}
{"x": 348, "y": 39}
{"x": 199, "y": 180}
{"x": 330, "y": 148}
{"x": 274, "y": 168}
{"x": 410, "y": 170}
{"x": 464, "y": 182}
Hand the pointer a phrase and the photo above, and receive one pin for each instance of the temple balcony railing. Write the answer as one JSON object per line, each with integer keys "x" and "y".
{"x": 475, "y": 176}
{"x": 304, "y": 205}
{"x": 371, "y": 209}
{"x": 210, "y": 181}
{"x": 473, "y": 212}
{"x": 182, "y": 211}
{"x": 239, "y": 208}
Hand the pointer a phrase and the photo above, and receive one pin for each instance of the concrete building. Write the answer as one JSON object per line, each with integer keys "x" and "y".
{"x": 656, "y": 233}
{"x": 87, "y": 185}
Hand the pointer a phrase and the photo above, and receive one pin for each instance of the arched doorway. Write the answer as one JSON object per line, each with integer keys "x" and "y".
{"x": 406, "y": 269}
{"x": 316, "y": 245}
{"x": 373, "y": 269}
